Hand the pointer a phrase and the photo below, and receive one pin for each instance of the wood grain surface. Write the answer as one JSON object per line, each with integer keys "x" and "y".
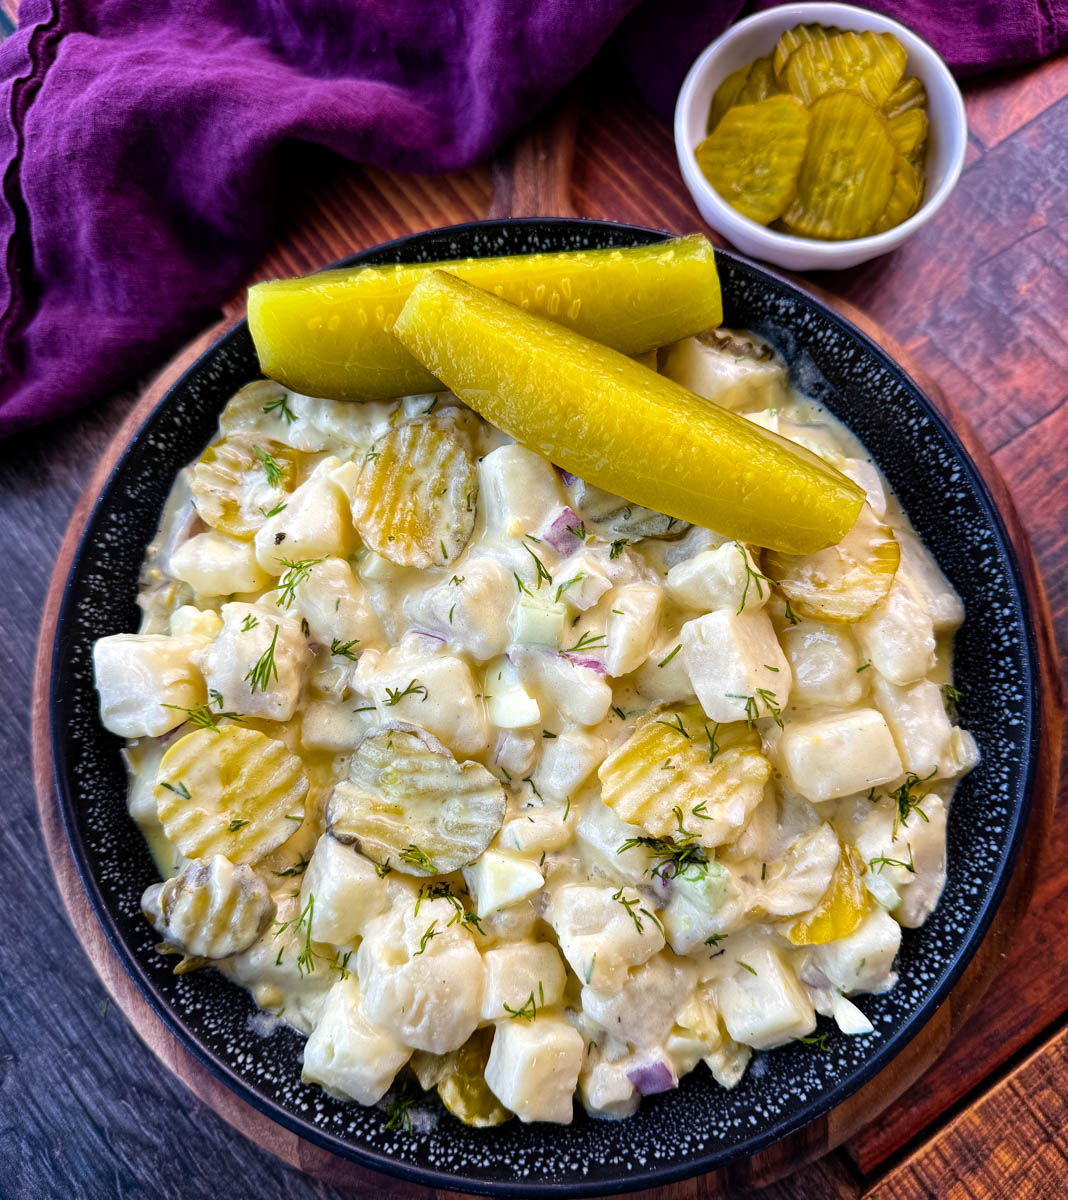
{"x": 978, "y": 300}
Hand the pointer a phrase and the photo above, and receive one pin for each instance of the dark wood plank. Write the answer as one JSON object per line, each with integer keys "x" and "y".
{"x": 997, "y": 108}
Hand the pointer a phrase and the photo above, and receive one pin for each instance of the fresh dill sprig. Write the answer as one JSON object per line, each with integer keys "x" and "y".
{"x": 395, "y": 695}
{"x": 619, "y": 712}
{"x": 179, "y": 790}
{"x": 281, "y": 406}
{"x": 752, "y": 709}
{"x": 382, "y": 869}
{"x": 616, "y": 549}
{"x": 456, "y": 580}
{"x": 527, "y": 1012}
{"x": 415, "y": 857}
{"x": 819, "y": 1040}
{"x": 883, "y": 861}
{"x": 676, "y": 726}
{"x": 202, "y": 716}
{"x": 296, "y": 573}
{"x": 629, "y": 907}
{"x": 745, "y": 966}
{"x": 429, "y": 934}
{"x": 908, "y": 800}
{"x": 281, "y": 506}
{"x": 397, "y": 1114}
{"x": 569, "y": 583}
{"x": 664, "y": 661}
{"x": 529, "y": 779}
{"x": 713, "y": 745}
{"x": 543, "y": 575}
{"x": 790, "y": 615}
{"x": 578, "y": 531}
{"x": 343, "y": 649}
{"x": 261, "y": 672}
{"x": 275, "y": 474}
{"x": 588, "y": 641}
{"x": 298, "y": 868}
{"x": 521, "y": 585}
{"x": 249, "y": 623}
{"x": 672, "y": 858}
{"x": 237, "y": 823}
{"x": 714, "y": 939}
{"x": 442, "y": 891}
{"x": 863, "y": 667}
{"x": 950, "y": 698}
{"x": 751, "y": 577}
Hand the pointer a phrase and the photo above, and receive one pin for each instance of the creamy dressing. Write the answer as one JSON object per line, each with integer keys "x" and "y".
{"x": 821, "y": 834}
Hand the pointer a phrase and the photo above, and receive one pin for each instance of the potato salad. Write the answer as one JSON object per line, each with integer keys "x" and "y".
{"x": 486, "y": 779}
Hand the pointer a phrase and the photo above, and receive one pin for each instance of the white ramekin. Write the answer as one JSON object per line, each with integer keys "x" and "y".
{"x": 756, "y": 36}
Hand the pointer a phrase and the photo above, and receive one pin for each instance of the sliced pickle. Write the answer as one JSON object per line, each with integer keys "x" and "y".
{"x": 909, "y": 93}
{"x": 258, "y": 409}
{"x": 904, "y": 200}
{"x": 679, "y": 775}
{"x": 847, "y": 175}
{"x": 869, "y": 63}
{"x": 610, "y": 518}
{"x": 754, "y": 156}
{"x": 234, "y": 792}
{"x": 408, "y": 804}
{"x": 842, "y": 583}
{"x": 210, "y": 909}
{"x": 909, "y": 131}
{"x": 726, "y": 95}
{"x": 414, "y": 502}
{"x": 731, "y": 369}
{"x": 842, "y": 907}
{"x": 464, "y": 1090}
{"x": 760, "y": 83}
{"x": 238, "y": 480}
{"x": 793, "y": 39}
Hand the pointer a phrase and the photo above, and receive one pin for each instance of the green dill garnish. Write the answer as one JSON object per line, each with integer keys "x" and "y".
{"x": 671, "y": 858}
{"x": 429, "y": 934}
{"x": 342, "y": 966}
{"x": 745, "y": 966}
{"x": 528, "y": 779}
{"x": 789, "y": 611}
{"x": 382, "y": 869}
{"x": 180, "y": 790}
{"x": 950, "y": 698}
{"x": 237, "y": 823}
{"x": 542, "y": 575}
{"x": 298, "y": 868}
{"x": 451, "y": 611}
{"x": 863, "y": 667}
{"x": 343, "y": 649}
{"x": 296, "y": 573}
{"x": 216, "y": 697}
{"x": 908, "y": 801}
{"x": 415, "y": 857}
{"x": 281, "y": 506}
{"x": 569, "y": 583}
{"x": 281, "y": 406}
{"x": 442, "y": 891}
{"x": 274, "y": 472}
{"x": 395, "y": 695}
{"x": 397, "y": 1115}
{"x": 751, "y": 576}
{"x": 294, "y": 817}
{"x": 713, "y": 745}
{"x": 763, "y": 872}
{"x": 202, "y": 716}
{"x": 819, "y": 1040}
{"x": 616, "y": 548}
{"x": 752, "y": 711}
{"x": 676, "y": 726}
{"x": 431, "y": 406}
{"x": 264, "y": 668}
{"x": 664, "y": 661}
{"x": 365, "y": 708}
{"x": 567, "y": 808}
{"x": 714, "y": 939}
{"x": 547, "y": 733}
{"x": 249, "y": 623}
{"x": 619, "y": 712}
{"x": 578, "y": 531}
{"x": 883, "y": 861}
{"x": 588, "y": 641}
{"x": 629, "y": 907}
{"x": 521, "y": 585}
{"x": 528, "y": 1011}
{"x": 456, "y": 580}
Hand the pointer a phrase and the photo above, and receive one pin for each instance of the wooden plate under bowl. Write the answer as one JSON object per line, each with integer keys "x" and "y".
{"x": 797, "y": 1103}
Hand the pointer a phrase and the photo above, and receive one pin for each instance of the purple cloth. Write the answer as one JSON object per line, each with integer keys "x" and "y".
{"x": 141, "y": 141}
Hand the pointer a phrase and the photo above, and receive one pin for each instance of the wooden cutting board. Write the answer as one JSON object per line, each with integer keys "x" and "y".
{"x": 531, "y": 178}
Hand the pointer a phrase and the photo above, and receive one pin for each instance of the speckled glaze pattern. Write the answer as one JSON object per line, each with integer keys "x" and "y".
{"x": 699, "y": 1126}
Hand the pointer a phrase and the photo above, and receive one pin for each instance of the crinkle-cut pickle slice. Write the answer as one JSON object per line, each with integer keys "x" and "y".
{"x": 726, "y": 96}
{"x": 842, "y": 907}
{"x": 408, "y": 804}
{"x": 234, "y": 792}
{"x": 909, "y": 93}
{"x": 760, "y": 82}
{"x": 464, "y": 1090}
{"x": 709, "y": 766}
{"x": 236, "y": 480}
{"x": 904, "y": 200}
{"x": 415, "y": 498}
{"x": 909, "y": 131}
{"x": 794, "y": 38}
{"x": 620, "y": 426}
{"x": 329, "y": 334}
{"x": 754, "y": 156}
{"x": 869, "y": 63}
{"x": 844, "y": 582}
{"x": 847, "y": 175}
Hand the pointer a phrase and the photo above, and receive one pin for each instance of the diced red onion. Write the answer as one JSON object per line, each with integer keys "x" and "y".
{"x": 811, "y": 976}
{"x": 559, "y": 536}
{"x": 591, "y": 664}
{"x": 425, "y": 633}
{"x": 567, "y": 477}
{"x": 654, "y": 1077}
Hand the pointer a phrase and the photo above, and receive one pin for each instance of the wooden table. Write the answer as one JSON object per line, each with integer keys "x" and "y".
{"x": 978, "y": 298}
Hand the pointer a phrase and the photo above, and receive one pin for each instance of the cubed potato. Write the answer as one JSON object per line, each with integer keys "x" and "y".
{"x": 726, "y": 577}
{"x": 347, "y": 1053}
{"x": 824, "y": 662}
{"x": 599, "y": 937}
{"x": 605, "y": 1090}
{"x": 514, "y": 753}
{"x": 663, "y": 675}
{"x": 733, "y": 660}
{"x": 498, "y": 878}
{"x": 897, "y": 637}
{"x": 333, "y": 727}
{"x": 583, "y": 578}
{"x": 315, "y": 523}
{"x": 601, "y": 834}
{"x": 519, "y": 491}
{"x": 509, "y": 704}
{"x": 348, "y": 892}
{"x": 838, "y": 755}
{"x": 216, "y": 565}
{"x": 631, "y": 627}
{"x": 642, "y": 1008}
{"x": 925, "y": 577}
{"x": 961, "y": 756}
{"x": 517, "y": 972}
{"x": 451, "y": 708}
{"x": 567, "y": 761}
{"x": 705, "y": 901}
{"x": 188, "y": 621}
{"x": 533, "y": 1068}
{"x": 761, "y": 1001}
{"x": 863, "y": 961}
{"x": 535, "y": 830}
{"x": 572, "y": 690}
{"x": 252, "y": 633}
{"x": 137, "y": 674}
{"x": 469, "y": 609}
{"x": 332, "y": 600}
{"x": 917, "y": 718}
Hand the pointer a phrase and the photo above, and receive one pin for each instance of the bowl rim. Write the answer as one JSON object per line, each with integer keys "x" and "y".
{"x": 648, "y": 1176}
{"x": 876, "y": 243}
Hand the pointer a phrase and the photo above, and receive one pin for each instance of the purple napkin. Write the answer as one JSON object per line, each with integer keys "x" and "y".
{"x": 141, "y": 141}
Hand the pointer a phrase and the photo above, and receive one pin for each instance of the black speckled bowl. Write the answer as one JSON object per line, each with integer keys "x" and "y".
{"x": 699, "y": 1126}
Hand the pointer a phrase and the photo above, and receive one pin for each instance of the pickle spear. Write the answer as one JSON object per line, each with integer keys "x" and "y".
{"x": 329, "y": 334}
{"x": 622, "y": 427}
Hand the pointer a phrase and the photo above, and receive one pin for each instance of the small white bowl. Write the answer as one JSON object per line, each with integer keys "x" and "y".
{"x": 756, "y": 36}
